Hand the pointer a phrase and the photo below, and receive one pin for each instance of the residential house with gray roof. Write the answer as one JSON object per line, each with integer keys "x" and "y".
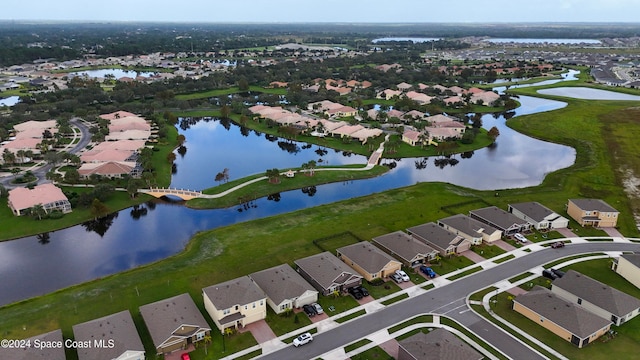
{"x": 538, "y": 215}
{"x": 599, "y": 298}
{"x": 564, "y": 318}
{"x": 628, "y": 266}
{"x": 327, "y": 273}
{"x": 436, "y": 345}
{"x": 471, "y": 229}
{"x": 174, "y": 323}
{"x": 403, "y": 247}
{"x": 34, "y": 353}
{"x": 506, "y": 222}
{"x": 114, "y": 337}
{"x": 235, "y": 303}
{"x": 369, "y": 261}
{"x": 441, "y": 239}
{"x": 592, "y": 212}
{"x": 285, "y": 288}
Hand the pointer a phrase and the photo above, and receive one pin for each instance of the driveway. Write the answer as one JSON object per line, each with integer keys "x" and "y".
{"x": 503, "y": 245}
{"x": 566, "y": 233}
{"x": 613, "y": 232}
{"x": 473, "y": 256}
{"x": 260, "y": 331}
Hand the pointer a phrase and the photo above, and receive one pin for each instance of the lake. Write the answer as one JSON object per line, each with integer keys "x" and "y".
{"x": 543, "y": 41}
{"x": 117, "y": 73}
{"x": 412, "y": 39}
{"x": 9, "y": 101}
{"x": 588, "y": 93}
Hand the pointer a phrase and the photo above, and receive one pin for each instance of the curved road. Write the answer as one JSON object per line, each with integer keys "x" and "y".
{"x": 449, "y": 300}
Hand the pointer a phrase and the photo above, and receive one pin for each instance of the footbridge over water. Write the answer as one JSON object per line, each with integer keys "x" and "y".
{"x": 182, "y": 194}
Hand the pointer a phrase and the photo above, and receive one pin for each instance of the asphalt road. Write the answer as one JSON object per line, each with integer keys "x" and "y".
{"x": 448, "y": 300}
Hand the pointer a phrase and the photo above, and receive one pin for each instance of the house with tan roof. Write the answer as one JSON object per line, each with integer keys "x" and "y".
{"x": 25, "y": 144}
{"x": 36, "y": 125}
{"x": 128, "y": 123}
{"x": 420, "y": 98}
{"x": 592, "y": 212}
{"x": 235, "y": 303}
{"x": 130, "y": 145}
{"x": 437, "y": 344}
{"x": 368, "y": 261}
{"x": 388, "y": 94}
{"x": 402, "y": 246}
{"x": 446, "y": 242}
{"x": 174, "y": 323}
{"x": 116, "y": 115}
{"x": 403, "y": 86}
{"x": 35, "y": 353}
{"x": 285, "y": 288}
{"x": 48, "y": 196}
{"x": 114, "y": 337}
{"x": 93, "y": 156}
{"x": 563, "y": 318}
{"x": 110, "y": 169}
{"x": 327, "y": 273}
{"x": 413, "y": 137}
{"x": 487, "y": 98}
{"x": 471, "y": 229}
{"x": 129, "y": 135}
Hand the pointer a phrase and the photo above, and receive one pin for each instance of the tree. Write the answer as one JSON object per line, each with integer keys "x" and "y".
{"x": 133, "y": 185}
{"x": 8, "y": 157}
{"x": 225, "y": 111}
{"x": 312, "y": 166}
{"x": 493, "y": 133}
{"x": 3, "y": 191}
{"x": 98, "y": 209}
{"x": 171, "y": 157}
{"x": 273, "y": 175}
{"x": 72, "y": 176}
{"x": 37, "y": 211}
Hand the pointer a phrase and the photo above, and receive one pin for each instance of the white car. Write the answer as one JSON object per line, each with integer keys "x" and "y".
{"x": 403, "y": 275}
{"x": 318, "y": 308}
{"x": 520, "y": 237}
{"x": 302, "y": 339}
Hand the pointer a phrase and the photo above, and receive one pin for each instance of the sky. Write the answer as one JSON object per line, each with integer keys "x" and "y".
{"x": 304, "y": 11}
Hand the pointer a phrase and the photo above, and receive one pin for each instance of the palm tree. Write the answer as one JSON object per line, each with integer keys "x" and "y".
{"x": 273, "y": 175}
{"x": 38, "y": 211}
{"x": 21, "y": 154}
{"x": 312, "y": 165}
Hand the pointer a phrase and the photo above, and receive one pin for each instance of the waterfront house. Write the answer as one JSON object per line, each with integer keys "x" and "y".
{"x": 538, "y": 215}
{"x": 235, "y": 303}
{"x": 327, "y": 273}
{"x": 504, "y": 221}
{"x": 471, "y": 229}
{"x": 285, "y": 288}
{"x": 592, "y": 212}
{"x": 369, "y": 261}
{"x": 441, "y": 239}
{"x": 34, "y": 353}
{"x": 411, "y": 252}
{"x": 113, "y": 337}
{"x": 48, "y": 196}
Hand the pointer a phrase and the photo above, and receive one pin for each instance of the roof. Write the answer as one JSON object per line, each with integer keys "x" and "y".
{"x": 239, "y": 291}
{"x": 109, "y": 168}
{"x": 33, "y": 353}
{"x": 467, "y": 225}
{"x": 33, "y": 124}
{"x": 116, "y": 114}
{"x": 129, "y": 135}
{"x": 565, "y": 314}
{"x": 281, "y": 283}
{"x": 439, "y": 344}
{"x": 599, "y": 294}
{"x": 632, "y": 258}
{"x": 164, "y": 317}
{"x": 403, "y": 245}
{"x": 498, "y": 217}
{"x": 326, "y": 269}
{"x": 534, "y": 210}
{"x": 119, "y": 145}
{"x": 22, "y": 198}
{"x": 593, "y": 204}
{"x": 106, "y": 155}
{"x": 367, "y": 256}
{"x": 118, "y": 327}
{"x": 435, "y": 235}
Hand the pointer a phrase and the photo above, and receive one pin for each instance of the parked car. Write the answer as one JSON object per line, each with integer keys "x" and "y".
{"x": 428, "y": 271}
{"x": 520, "y": 237}
{"x": 355, "y": 292}
{"x": 403, "y": 275}
{"x": 363, "y": 290}
{"x": 397, "y": 278}
{"x": 557, "y": 245}
{"x": 559, "y": 273}
{"x": 317, "y": 308}
{"x": 302, "y": 339}
{"x": 549, "y": 274}
{"x": 309, "y": 310}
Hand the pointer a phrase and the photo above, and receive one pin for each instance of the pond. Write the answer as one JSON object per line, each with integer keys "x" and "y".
{"x": 9, "y": 101}
{"x": 117, "y": 73}
{"x": 543, "y": 41}
{"x": 158, "y": 229}
{"x": 588, "y": 93}
{"x": 412, "y": 39}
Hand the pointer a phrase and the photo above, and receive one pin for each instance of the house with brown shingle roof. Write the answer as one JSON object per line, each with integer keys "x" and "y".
{"x": 368, "y": 261}
{"x": 285, "y": 288}
{"x": 596, "y": 297}
{"x": 437, "y": 344}
{"x": 327, "y": 273}
{"x": 563, "y": 318}
{"x": 48, "y": 196}
{"x": 113, "y": 336}
{"x": 235, "y": 303}
{"x": 441, "y": 239}
{"x": 34, "y": 353}
{"x": 409, "y": 251}
{"x": 174, "y": 323}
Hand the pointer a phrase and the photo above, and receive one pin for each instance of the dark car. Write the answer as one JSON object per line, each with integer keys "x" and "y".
{"x": 557, "y": 245}
{"x": 362, "y": 290}
{"x": 356, "y": 293}
{"x": 428, "y": 271}
{"x": 559, "y": 273}
{"x": 309, "y": 310}
{"x": 549, "y": 274}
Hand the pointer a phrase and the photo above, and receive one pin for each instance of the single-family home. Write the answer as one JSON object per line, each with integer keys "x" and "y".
{"x": 403, "y": 86}
{"x": 235, "y": 303}
{"x": 413, "y": 137}
{"x": 110, "y": 169}
{"x": 285, "y": 288}
{"x": 327, "y": 273}
{"x": 113, "y": 337}
{"x": 599, "y": 298}
{"x": 436, "y": 345}
{"x": 486, "y": 98}
{"x": 48, "y": 196}
{"x": 628, "y": 266}
{"x": 592, "y": 212}
{"x": 504, "y": 221}
{"x": 411, "y": 252}
{"x": 174, "y": 323}
{"x": 538, "y": 215}
{"x": 441, "y": 239}
{"x": 563, "y": 318}
{"x": 36, "y": 353}
{"x": 471, "y": 229}
{"x": 369, "y": 261}
{"x": 389, "y": 94}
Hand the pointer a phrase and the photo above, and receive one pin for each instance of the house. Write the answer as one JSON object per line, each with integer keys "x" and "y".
{"x": 48, "y": 196}
{"x": 413, "y": 137}
{"x": 441, "y": 239}
{"x": 235, "y": 303}
{"x": 389, "y": 94}
{"x": 369, "y": 261}
{"x": 327, "y": 273}
{"x": 599, "y": 298}
{"x": 506, "y": 222}
{"x": 563, "y": 318}
{"x": 538, "y": 215}
{"x": 403, "y": 86}
{"x": 285, "y": 288}
{"x": 110, "y": 169}
{"x": 592, "y": 212}
{"x": 34, "y": 353}
{"x": 409, "y": 251}
{"x": 628, "y": 265}
{"x": 174, "y": 323}
{"x": 471, "y": 229}
{"x": 114, "y": 337}
{"x": 486, "y": 98}
{"x": 436, "y": 345}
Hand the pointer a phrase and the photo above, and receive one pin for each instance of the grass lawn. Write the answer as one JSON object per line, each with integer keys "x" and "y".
{"x": 465, "y": 273}
{"x": 416, "y": 320}
{"x": 405, "y": 150}
{"x": 339, "y": 304}
{"x": 487, "y": 251}
{"x": 351, "y": 316}
{"x": 282, "y": 324}
{"x": 372, "y": 354}
{"x": 232, "y": 90}
{"x": 395, "y": 299}
{"x": 356, "y": 345}
{"x": 383, "y": 290}
{"x": 448, "y": 265}
{"x": 503, "y": 259}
